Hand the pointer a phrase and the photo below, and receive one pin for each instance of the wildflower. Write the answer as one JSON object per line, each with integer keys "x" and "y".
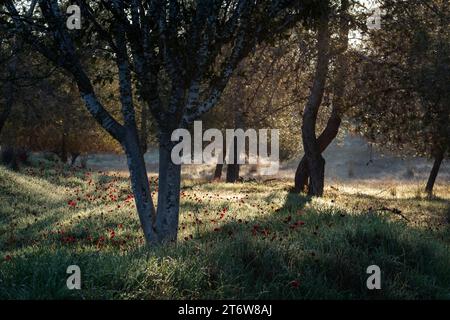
{"x": 72, "y": 203}
{"x": 294, "y": 284}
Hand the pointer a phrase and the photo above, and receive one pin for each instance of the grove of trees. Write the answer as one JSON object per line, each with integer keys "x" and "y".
{"x": 137, "y": 70}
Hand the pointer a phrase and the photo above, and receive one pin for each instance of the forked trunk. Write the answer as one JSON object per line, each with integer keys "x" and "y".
{"x": 315, "y": 161}
{"x": 325, "y": 139}
{"x": 332, "y": 128}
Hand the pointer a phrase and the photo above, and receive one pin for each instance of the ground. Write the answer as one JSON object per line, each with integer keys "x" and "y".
{"x": 252, "y": 240}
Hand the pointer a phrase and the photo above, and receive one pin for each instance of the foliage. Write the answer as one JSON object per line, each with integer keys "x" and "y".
{"x": 402, "y": 94}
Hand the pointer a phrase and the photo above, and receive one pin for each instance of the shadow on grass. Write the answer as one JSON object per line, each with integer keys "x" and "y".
{"x": 297, "y": 251}
{"x": 293, "y": 253}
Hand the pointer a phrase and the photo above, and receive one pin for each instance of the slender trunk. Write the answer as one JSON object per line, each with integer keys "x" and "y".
{"x": 233, "y": 168}
{"x": 434, "y": 172}
{"x": 219, "y": 167}
{"x": 218, "y": 172}
{"x": 239, "y": 123}
{"x": 140, "y": 185}
{"x": 168, "y": 192}
{"x": 144, "y": 129}
{"x": 74, "y": 157}
{"x": 314, "y": 159}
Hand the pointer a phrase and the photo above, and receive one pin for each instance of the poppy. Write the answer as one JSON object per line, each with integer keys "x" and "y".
{"x": 294, "y": 284}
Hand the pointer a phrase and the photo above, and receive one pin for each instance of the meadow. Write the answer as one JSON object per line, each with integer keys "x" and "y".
{"x": 250, "y": 240}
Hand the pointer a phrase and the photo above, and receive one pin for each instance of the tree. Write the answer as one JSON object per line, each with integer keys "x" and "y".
{"x": 49, "y": 117}
{"x": 403, "y": 101}
{"x": 193, "y": 46}
{"x": 331, "y": 66}
{"x": 263, "y": 93}
{"x": 315, "y": 146}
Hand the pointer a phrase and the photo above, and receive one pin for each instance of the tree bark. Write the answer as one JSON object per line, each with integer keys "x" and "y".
{"x": 434, "y": 172}
{"x": 301, "y": 176}
{"x": 218, "y": 172}
{"x": 326, "y": 137}
{"x": 140, "y": 185}
{"x": 239, "y": 123}
{"x": 233, "y": 168}
{"x": 233, "y": 172}
{"x": 314, "y": 159}
{"x": 168, "y": 193}
{"x": 144, "y": 129}
{"x": 219, "y": 167}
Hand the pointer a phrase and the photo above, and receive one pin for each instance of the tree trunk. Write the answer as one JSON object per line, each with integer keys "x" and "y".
{"x": 233, "y": 172}
{"x": 144, "y": 129}
{"x": 301, "y": 176}
{"x": 326, "y": 137}
{"x": 233, "y": 168}
{"x": 218, "y": 172}
{"x": 63, "y": 154}
{"x": 434, "y": 172}
{"x": 314, "y": 159}
{"x": 74, "y": 156}
{"x": 219, "y": 167}
{"x": 332, "y": 128}
{"x": 140, "y": 185}
{"x": 239, "y": 123}
{"x": 168, "y": 193}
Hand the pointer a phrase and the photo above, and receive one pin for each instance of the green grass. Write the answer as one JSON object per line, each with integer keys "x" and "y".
{"x": 243, "y": 241}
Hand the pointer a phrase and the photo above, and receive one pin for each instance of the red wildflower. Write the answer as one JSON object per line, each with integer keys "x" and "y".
{"x": 8, "y": 258}
{"x": 72, "y": 203}
{"x": 294, "y": 284}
